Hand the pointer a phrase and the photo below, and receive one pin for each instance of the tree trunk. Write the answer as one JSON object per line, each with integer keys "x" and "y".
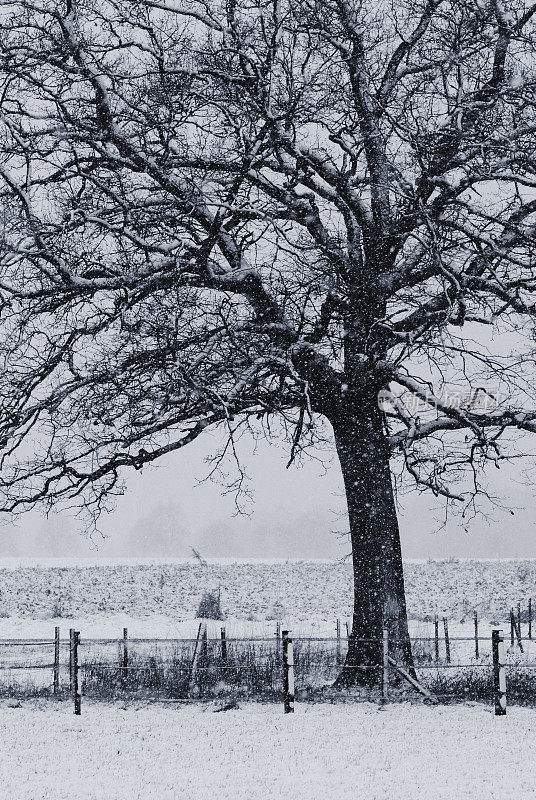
{"x": 379, "y": 596}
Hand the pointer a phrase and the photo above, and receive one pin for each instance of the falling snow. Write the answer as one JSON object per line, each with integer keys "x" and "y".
{"x": 363, "y": 751}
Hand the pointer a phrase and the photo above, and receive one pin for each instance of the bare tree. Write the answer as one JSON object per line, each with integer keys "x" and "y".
{"x": 213, "y": 211}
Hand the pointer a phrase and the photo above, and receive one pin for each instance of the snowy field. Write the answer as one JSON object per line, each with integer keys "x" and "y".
{"x": 408, "y": 752}
{"x": 254, "y": 592}
{"x": 159, "y": 600}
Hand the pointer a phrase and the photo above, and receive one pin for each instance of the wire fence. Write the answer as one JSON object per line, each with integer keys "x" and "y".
{"x": 446, "y": 668}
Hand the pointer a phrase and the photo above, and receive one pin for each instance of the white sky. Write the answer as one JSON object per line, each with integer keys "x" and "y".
{"x": 296, "y": 513}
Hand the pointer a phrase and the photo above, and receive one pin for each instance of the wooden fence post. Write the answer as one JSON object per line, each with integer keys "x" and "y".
{"x": 71, "y": 660}
{"x": 476, "y": 634}
{"x": 436, "y": 637}
{"x": 277, "y": 643}
{"x": 56, "y": 673}
{"x": 412, "y": 681}
{"x": 288, "y": 673}
{"x": 223, "y": 645}
{"x": 124, "y": 668}
{"x": 512, "y": 627}
{"x": 385, "y": 675}
{"x": 499, "y": 672}
{"x": 77, "y": 683}
{"x": 515, "y": 631}
{"x": 519, "y": 618}
{"x": 338, "y": 629}
{"x": 204, "y": 642}
{"x": 530, "y": 618}
{"x": 193, "y": 669}
{"x": 447, "y": 640}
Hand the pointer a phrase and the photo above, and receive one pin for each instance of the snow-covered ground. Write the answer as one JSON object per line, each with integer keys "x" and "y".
{"x": 158, "y": 599}
{"x": 161, "y": 626}
{"x": 362, "y": 751}
{"x": 254, "y": 591}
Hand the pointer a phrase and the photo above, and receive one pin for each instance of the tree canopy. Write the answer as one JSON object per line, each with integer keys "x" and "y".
{"x": 213, "y": 210}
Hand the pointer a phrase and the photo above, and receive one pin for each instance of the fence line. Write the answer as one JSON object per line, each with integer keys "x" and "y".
{"x": 222, "y": 648}
{"x": 168, "y": 640}
{"x": 125, "y": 641}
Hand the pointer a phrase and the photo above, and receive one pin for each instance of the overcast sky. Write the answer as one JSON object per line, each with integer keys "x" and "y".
{"x": 295, "y": 513}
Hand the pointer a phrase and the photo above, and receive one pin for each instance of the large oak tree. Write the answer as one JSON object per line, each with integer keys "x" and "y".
{"x": 213, "y": 211}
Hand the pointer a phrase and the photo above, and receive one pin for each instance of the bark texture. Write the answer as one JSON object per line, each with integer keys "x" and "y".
{"x": 379, "y": 597}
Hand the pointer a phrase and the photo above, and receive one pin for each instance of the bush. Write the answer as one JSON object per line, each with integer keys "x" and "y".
{"x": 209, "y": 607}
{"x": 57, "y": 608}
{"x": 277, "y": 611}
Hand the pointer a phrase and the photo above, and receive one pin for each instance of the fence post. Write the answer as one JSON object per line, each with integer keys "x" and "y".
{"x": 530, "y": 618}
{"x": 476, "y": 634}
{"x": 56, "y": 673}
{"x": 288, "y": 673}
{"x": 512, "y": 626}
{"x": 499, "y": 672}
{"x": 447, "y": 640}
{"x": 519, "y": 618}
{"x": 124, "y": 669}
{"x": 385, "y": 676}
{"x": 204, "y": 641}
{"x": 338, "y": 628}
{"x": 193, "y": 669}
{"x": 77, "y": 684}
{"x": 436, "y": 637}
{"x": 223, "y": 645}
{"x": 71, "y": 660}
{"x": 516, "y": 631}
{"x": 277, "y": 643}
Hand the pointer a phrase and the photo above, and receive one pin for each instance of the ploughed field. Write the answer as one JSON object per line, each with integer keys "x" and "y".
{"x": 311, "y": 591}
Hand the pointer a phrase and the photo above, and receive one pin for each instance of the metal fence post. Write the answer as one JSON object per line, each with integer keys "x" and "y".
{"x": 447, "y": 640}
{"x": 124, "y": 668}
{"x": 71, "y": 659}
{"x": 77, "y": 683}
{"x": 56, "y": 673}
{"x": 288, "y": 673}
{"x": 499, "y": 671}
{"x": 385, "y": 675}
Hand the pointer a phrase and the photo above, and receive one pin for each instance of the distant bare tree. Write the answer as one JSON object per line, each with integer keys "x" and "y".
{"x": 198, "y": 557}
{"x": 219, "y": 211}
